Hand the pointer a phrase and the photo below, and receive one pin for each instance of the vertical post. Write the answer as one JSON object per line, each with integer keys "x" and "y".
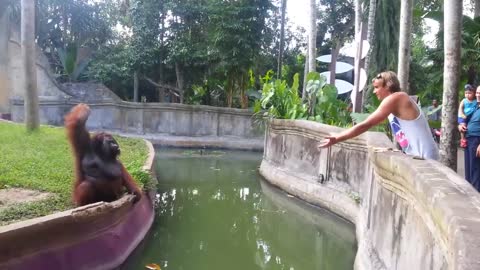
{"x": 312, "y": 44}
{"x": 451, "y": 80}
{"x": 135, "y": 86}
{"x": 4, "y": 82}
{"x": 356, "y": 97}
{"x": 406, "y": 12}
{"x": 32, "y": 118}
{"x": 282, "y": 37}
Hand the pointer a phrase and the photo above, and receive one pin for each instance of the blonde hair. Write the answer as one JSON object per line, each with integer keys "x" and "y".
{"x": 388, "y": 79}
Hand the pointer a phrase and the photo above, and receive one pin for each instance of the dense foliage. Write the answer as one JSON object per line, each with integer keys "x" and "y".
{"x": 211, "y": 49}
{"x": 283, "y": 102}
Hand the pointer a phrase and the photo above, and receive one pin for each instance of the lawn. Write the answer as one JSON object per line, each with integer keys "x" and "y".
{"x": 42, "y": 161}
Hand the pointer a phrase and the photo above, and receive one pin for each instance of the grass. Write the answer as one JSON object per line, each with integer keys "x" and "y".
{"x": 42, "y": 160}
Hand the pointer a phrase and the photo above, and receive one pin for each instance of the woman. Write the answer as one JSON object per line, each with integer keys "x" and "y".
{"x": 409, "y": 125}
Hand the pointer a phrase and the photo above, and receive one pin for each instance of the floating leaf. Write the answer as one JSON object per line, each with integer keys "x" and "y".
{"x": 152, "y": 266}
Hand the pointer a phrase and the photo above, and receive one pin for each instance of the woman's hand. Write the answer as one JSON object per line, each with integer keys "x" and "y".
{"x": 462, "y": 128}
{"x": 328, "y": 141}
{"x": 478, "y": 151}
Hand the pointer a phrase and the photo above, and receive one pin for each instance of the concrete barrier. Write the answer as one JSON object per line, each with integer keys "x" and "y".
{"x": 409, "y": 213}
{"x": 170, "y": 119}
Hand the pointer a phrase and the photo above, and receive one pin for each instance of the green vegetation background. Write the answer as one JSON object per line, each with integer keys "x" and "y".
{"x": 43, "y": 161}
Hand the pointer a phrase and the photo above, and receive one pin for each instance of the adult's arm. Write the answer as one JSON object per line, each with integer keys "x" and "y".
{"x": 388, "y": 106}
{"x": 460, "y": 110}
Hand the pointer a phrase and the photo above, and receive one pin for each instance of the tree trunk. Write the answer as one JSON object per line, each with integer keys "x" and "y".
{"x": 451, "y": 80}
{"x": 358, "y": 16}
{"x": 333, "y": 63}
{"x": 305, "y": 72}
{"x": 180, "y": 79}
{"x": 476, "y": 11}
{"x": 135, "y": 86}
{"x": 4, "y": 37}
{"x": 312, "y": 44}
{"x": 229, "y": 89}
{"x": 356, "y": 96}
{"x": 243, "y": 87}
{"x": 161, "y": 69}
{"x": 406, "y": 13}
{"x": 32, "y": 118}
{"x": 370, "y": 35}
{"x": 282, "y": 37}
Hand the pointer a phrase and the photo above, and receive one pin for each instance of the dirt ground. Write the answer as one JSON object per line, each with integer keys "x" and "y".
{"x": 9, "y": 196}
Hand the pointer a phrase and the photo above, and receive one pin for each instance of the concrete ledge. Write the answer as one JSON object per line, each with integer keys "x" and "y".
{"x": 165, "y": 119}
{"x": 95, "y": 236}
{"x": 409, "y": 213}
{"x": 233, "y": 143}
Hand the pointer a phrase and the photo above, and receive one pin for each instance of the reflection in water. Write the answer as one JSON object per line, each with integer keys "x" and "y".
{"x": 216, "y": 213}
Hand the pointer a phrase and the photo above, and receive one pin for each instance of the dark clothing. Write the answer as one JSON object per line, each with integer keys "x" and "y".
{"x": 472, "y": 162}
{"x": 473, "y": 126}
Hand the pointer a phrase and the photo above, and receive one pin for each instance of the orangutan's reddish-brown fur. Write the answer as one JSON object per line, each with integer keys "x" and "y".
{"x": 99, "y": 175}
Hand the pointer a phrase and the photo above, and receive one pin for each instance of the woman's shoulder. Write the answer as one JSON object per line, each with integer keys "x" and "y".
{"x": 401, "y": 96}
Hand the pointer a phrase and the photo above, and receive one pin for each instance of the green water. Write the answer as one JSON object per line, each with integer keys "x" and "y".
{"x": 216, "y": 213}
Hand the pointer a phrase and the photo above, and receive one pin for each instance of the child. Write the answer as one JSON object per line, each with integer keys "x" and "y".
{"x": 465, "y": 110}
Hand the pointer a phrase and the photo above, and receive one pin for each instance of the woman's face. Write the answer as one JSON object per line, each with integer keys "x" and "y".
{"x": 380, "y": 89}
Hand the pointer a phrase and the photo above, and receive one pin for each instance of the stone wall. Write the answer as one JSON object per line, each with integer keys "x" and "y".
{"x": 409, "y": 213}
{"x": 12, "y": 71}
{"x": 170, "y": 119}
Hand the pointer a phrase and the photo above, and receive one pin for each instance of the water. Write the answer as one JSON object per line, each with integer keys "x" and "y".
{"x": 216, "y": 213}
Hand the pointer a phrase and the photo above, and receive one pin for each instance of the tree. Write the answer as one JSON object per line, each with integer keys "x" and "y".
{"x": 476, "y": 11}
{"x": 372, "y": 8}
{"x": 339, "y": 20}
{"x": 385, "y": 43}
{"x": 239, "y": 33}
{"x": 451, "y": 81}
{"x": 4, "y": 37}
{"x": 282, "y": 35}
{"x": 188, "y": 30}
{"x": 145, "y": 23}
{"x": 406, "y": 10}
{"x": 70, "y": 31}
{"x": 32, "y": 118}
{"x": 312, "y": 38}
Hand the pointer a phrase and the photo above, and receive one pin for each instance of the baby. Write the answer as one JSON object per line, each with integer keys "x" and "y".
{"x": 465, "y": 110}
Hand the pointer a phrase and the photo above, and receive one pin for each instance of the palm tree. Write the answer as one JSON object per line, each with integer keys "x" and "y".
{"x": 312, "y": 37}
{"x": 406, "y": 10}
{"x": 451, "y": 80}
{"x": 32, "y": 118}
{"x": 476, "y": 12}
{"x": 370, "y": 35}
{"x": 4, "y": 33}
{"x": 282, "y": 37}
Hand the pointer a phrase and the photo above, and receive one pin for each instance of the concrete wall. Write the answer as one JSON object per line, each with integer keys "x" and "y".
{"x": 409, "y": 213}
{"x": 152, "y": 118}
{"x": 12, "y": 71}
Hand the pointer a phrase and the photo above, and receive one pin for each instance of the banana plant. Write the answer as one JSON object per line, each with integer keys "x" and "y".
{"x": 323, "y": 104}
{"x": 281, "y": 101}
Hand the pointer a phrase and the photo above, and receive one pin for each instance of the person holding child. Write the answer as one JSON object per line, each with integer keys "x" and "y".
{"x": 467, "y": 106}
{"x": 472, "y": 149}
